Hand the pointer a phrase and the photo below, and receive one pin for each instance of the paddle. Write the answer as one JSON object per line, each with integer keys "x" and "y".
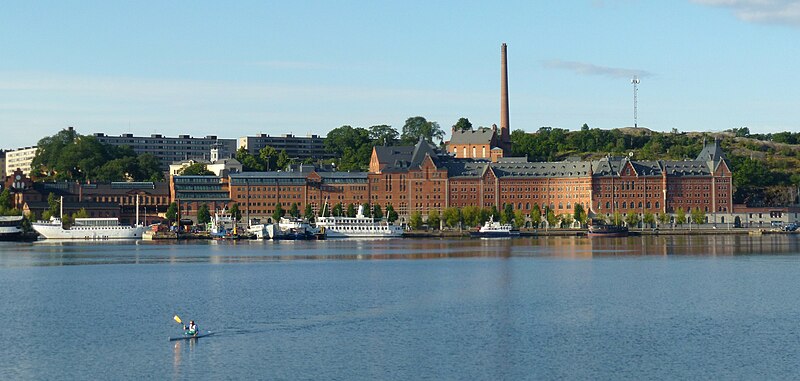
{"x": 177, "y": 319}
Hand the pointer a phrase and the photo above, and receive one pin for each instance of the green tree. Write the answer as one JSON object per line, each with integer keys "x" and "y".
{"x": 81, "y": 213}
{"x": 172, "y": 212}
{"x": 196, "y": 169}
{"x": 338, "y": 210}
{"x": 617, "y": 218}
{"x": 283, "y": 160}
{"x": 566, "y": 220}
{"x": 470, "y": 215}
{"x": 452, "y": 217}
{"x": 53, "y": 205}
{"x": 698, "y": 216}
{"x": 415, "y": 220}
{"x": 680, "y": 217}
{"x": 536, "y": 216}
{"x": 383, "y": 135}
{"x": 664, "y": 218}
{"x": 552, "y": 219}
{"x": 508, "y": 214}
{"x": 308, "y": 214}
{"x": 294, "y": 210}
{"x": 391, "y": 215}
{"x": 278, "y": 213}
{"x": 376, "y": 212}
{"x": 269, "y": 158}
{"x": 352, "y": 146}
{"x": 203, "y": 214}
{"x": 236, "y": 214}
{"x": 519, "y": 218}
{"x": 649, "y": 218}
{"x": 351, "y": 210}
{"x": 579, "y": 214}
{"x": 434, "y": 219}
{"x": 366, "y": 208}
{"x": 249, "y": 162}
{"x": 418, "y": 127}
{"x": 5, "y": 201}
{"x": 463, "y": 124}
{"x": 632, "y": 219}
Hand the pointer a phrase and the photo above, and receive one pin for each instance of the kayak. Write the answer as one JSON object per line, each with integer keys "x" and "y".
{"x": 189, "y": 337}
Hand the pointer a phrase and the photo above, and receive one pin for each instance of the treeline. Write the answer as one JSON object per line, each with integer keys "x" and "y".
{"x": 68, "y": 155}
{"x": 268, "y": 159}
{"x": 555, "y": 144}
{"x": 353, "y": 145}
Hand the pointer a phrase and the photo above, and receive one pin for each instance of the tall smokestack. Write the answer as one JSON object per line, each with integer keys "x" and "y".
{"x": 505, "y": 133}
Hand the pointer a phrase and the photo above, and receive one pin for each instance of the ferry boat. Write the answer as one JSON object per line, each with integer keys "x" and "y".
{"x": 11, "y": 228}
{"x": 359, "y": 226}
{"x": 600, "y": 229}
{"x": 494, "y": 229}
{"x": 293, "y": 228}
{"x": 88, "y": 228}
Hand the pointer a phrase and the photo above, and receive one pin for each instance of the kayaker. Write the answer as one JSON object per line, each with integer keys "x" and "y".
{"x": 190, "y": 329}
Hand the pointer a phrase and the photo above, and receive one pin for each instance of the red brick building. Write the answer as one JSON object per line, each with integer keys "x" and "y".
{"x": 421, "y": 178}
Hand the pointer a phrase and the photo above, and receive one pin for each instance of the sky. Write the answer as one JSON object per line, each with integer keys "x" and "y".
{"x": 238, "y": 68}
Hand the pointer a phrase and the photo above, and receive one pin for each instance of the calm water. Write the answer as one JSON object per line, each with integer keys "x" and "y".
{"x": 547, "y": 308}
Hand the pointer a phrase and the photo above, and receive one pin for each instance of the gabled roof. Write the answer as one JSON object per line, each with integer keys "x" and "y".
{"x": 463, "y": 169}
{"x": 481, "y": 135}
{"x": 686, "y": 168}
{"x": 543, "y": 169}
{"x": 402, "y": 158}
{"x": 712, "y": 155}
{"x": 613, "y": 166}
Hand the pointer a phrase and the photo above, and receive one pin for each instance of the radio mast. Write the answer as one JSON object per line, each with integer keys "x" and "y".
{"x": 635, "y": 82}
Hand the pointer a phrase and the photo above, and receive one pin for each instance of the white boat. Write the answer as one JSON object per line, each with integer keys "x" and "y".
{"x": 10, "y": 228}
{"x": 492, "y": 229}
{"x": 358, "y": 226}
{"x": 88, "y": 228}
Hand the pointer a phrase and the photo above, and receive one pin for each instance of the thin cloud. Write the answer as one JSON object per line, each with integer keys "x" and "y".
{"x": 784, "y": 12}
{"x": 591, "y": 69}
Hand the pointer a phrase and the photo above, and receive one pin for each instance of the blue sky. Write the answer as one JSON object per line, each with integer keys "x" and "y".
{"x": 241, "y": 68}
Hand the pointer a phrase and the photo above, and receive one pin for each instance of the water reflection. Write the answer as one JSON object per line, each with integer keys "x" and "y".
{"x": 220, "y": 252}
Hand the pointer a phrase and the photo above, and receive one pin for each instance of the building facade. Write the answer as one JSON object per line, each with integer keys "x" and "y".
{"x": 20, "y": 158}
{"x": 421, "y": 178}
{"x": 171, "y": 149}
{"x": 300, "y": 147}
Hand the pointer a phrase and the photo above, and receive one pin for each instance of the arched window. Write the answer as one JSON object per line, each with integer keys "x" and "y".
{"x": 623, "y": 205}
{"x": 657, "y": 205}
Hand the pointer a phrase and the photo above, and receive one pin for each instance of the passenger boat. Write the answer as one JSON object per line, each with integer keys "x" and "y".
{"x": 494, "y": 229}
{"x": 600, "y": 229}
{"x": 88, "y": 228}
{"x": 11, "y": 228}
{"x": 359, "y": 226}
{"x": 293, "y": 228}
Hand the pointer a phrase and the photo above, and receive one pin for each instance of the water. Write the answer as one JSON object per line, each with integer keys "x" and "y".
{"x": 546, "y": 308}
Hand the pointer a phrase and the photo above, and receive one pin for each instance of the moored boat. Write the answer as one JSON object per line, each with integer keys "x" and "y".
{"x": 494, "y": 229}
{"x": 359, "y": 226}
{"x": 88, "y": 228}
{"x": 11, "y": 229}
{"x": 598, "y": 229}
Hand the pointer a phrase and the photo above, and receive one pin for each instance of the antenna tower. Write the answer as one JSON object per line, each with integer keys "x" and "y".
{"x": 635, "y": 82}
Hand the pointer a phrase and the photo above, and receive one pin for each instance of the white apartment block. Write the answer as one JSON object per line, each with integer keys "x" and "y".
{"x": 20, "y": 158}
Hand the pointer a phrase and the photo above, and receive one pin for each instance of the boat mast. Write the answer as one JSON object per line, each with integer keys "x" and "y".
{"x": 137, "y": 210}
